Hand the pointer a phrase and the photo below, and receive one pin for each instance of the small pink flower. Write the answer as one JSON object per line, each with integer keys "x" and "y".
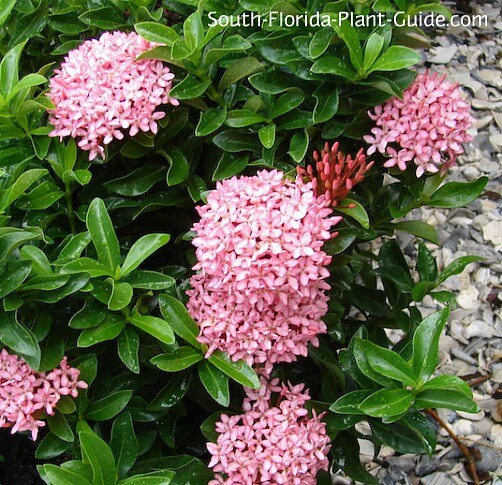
{"x": 101, "y": 90}
{"x": 335, "y": 173}
{"x": 273, "y": 442}
{"x": 259, "y": 287}
{"x": 427, "y": 127}
{"x": 25, "y": 394}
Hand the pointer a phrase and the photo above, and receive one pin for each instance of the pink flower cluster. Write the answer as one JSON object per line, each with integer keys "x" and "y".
{"x": 25, "y": 394}
{"x": 258, "y": 290}
{"x": 270, "y": 444}
{"x": 428, "y": 126}
{"x": 101, "y": 89}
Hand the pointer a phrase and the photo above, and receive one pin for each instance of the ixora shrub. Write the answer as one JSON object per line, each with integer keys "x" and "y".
{"x": 188, "y": 293}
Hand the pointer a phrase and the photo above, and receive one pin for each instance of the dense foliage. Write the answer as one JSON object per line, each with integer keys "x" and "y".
{"x": 96, "y": 256}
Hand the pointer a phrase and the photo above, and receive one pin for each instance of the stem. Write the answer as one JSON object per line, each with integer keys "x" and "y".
{"x": 213, "y": 94}
{"x": 465, "y": 451}
{"x": 69, "y": 208}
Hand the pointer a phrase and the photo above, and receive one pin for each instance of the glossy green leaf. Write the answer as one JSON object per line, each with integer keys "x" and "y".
{"x": 156, "y": 32}
{"x": 6, "y": 7}
{"x": 109, "y": 406}
{"x": 348, "y": 34}
{"x": 99, "y": 456}
{"x": 189, "y": 88}
{"x": 210, "y": 120}
{"x": 396, "y": 57}
{"x": 180, "y": 359}
{"x": 457, "y": 266}
{"x": 120, "y": 296}
{"x": 333, "y": 65}
{"x": 372, "y": 49}
{"x": 239, "y": 371}
{"x": 60, "y": 476}
{"x": 449, "y": 382}
{"x": 128, "y": 349}
{"x": 298, "y": 146}
{"x": 172, "y": 392}
{"x": 150, "y": 280}
{"x": 241, "y": 68}
{"x": 108, "y": 330}
{"x": 90, "y": 315}
{"x": 215, "y": 382}
{"x": 60, "y": 427}
{"x": 141, "y": 250}
{"x": 137, "y": 182}
{"x": 418, "y": 228}
{"x": 354, "y": 209}
{"x": 177, "y": 316}
{"x": 387, "y": 402}
{"x": 349, "y": 403}
{"x": 124, "y": 444}
{"x": 87, "y": 265}
{"x": 426, "y": 343}
{"x": 106, "y": 18}
{"x": 163, "y": 477}
{"x": 50, "y": 447}
{"x": 158, "y": 328}
{"x": 327, "y": 101}
{"x": 445, "y": 398}
{"x": 103, "y": 235}
{"x": 229, "y": 165}
{"x": 241, "y": 118}
{"x": 9, "y": 71}
{"x": 13, "y": 277}
{"x": 179, "y": 168}
{"x": 320, "y": 42}
{"x": 457, "y": 194}
{"x": 266, "y": 134}
{"x": 426, "y": 264}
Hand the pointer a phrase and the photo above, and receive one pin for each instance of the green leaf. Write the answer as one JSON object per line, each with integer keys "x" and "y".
{"x": 299, "y": 145}
{"x": 210, "y": 120}
{"x": 23, "y": 183}
{"x": 50, "y": 447}
{"x": 19, "y": 338}
{"x": 180, "y": 359}
{"x": 387, "y": 403}
{"x": 179, "y": 168}
{"x": 177, "y": 316}
{"x": 124, "y": 443}
{"x": 163, "y": 477}
{"x": 157, "y": 33}
{"x": 426, "y": 343}
{"x": 426, "y": 264}
{"x": 240, "y": 118}
{"x": 60, "y": 476}
{"x": 90, "y": 315}
{"x": 60, "y": 427}
{"x": 394, "y": 58}
{"x": 452, "y": 383}
{"x": 266, "y": 134}
{"x": 207, "y": 428}
{"x": 239, "y": 371}
{"x": 6, "y": 7}
{"x": 98, "y": 454}
{"x": 386, "y": 362}
{"x": 349, "y": 403}
{"x": 457, "y": 194}
{"x": 28, "y": 81}
{"x": 349, "y": 35}
{"x": 103, "y": 235}
{"x": 239, "y": 69}
{"x": 87, "y": 265}
{"x": 215, "y": 382}
{"x": 150, "y": 280}
{"x": 445, "y": 398}
{"x": 120, "y": 296}
{"x": 106, "y": 18}
{"x": 158, "y": 328}
{"x": 137, "y": 182}
{"x": 374, "y": 45}
{"x": 326, "y": 106}
{"x": 193, "y": 31}
{"x": 333, "y": 65}
{"x": 457, "y": 266}
{"x": 73, "y": 248}
{"x": 320, "y": 42}
{"x": 141, "y": 250}
{"x": 354, "y": 209}
{"x": 359, "y": 353}
{"x": 189, "y": 88}
{"x": 13, "y": 276}
{"x": 9, "y": 71}
{"x": 109, "y": 406}
{"x": 172, "y": 392}
{"x": 229, "y": 165}
{"x": 108, "y": 330}
{"x": 286, "y": 103}
{"x": 418, "y": 228}
{"x": 128, "y": 348}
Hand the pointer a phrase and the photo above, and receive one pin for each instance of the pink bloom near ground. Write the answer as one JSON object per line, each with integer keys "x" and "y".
{"x": 259, "y": 290}
{"x": 427, "y": 127}
{"x": 101, "y": 90}
{"x": 26, "y": 394}
{"x": 273, "y": 442}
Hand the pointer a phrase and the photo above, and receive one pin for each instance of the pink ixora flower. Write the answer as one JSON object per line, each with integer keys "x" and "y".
{"x": 335, "y": 174}
{"x": 101, "y": 89}
{"x": 26, "y": 394}
{"x": 259, "y": 290}
{"x": 273, "y": 442}
{"x": 427, "y": 127}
